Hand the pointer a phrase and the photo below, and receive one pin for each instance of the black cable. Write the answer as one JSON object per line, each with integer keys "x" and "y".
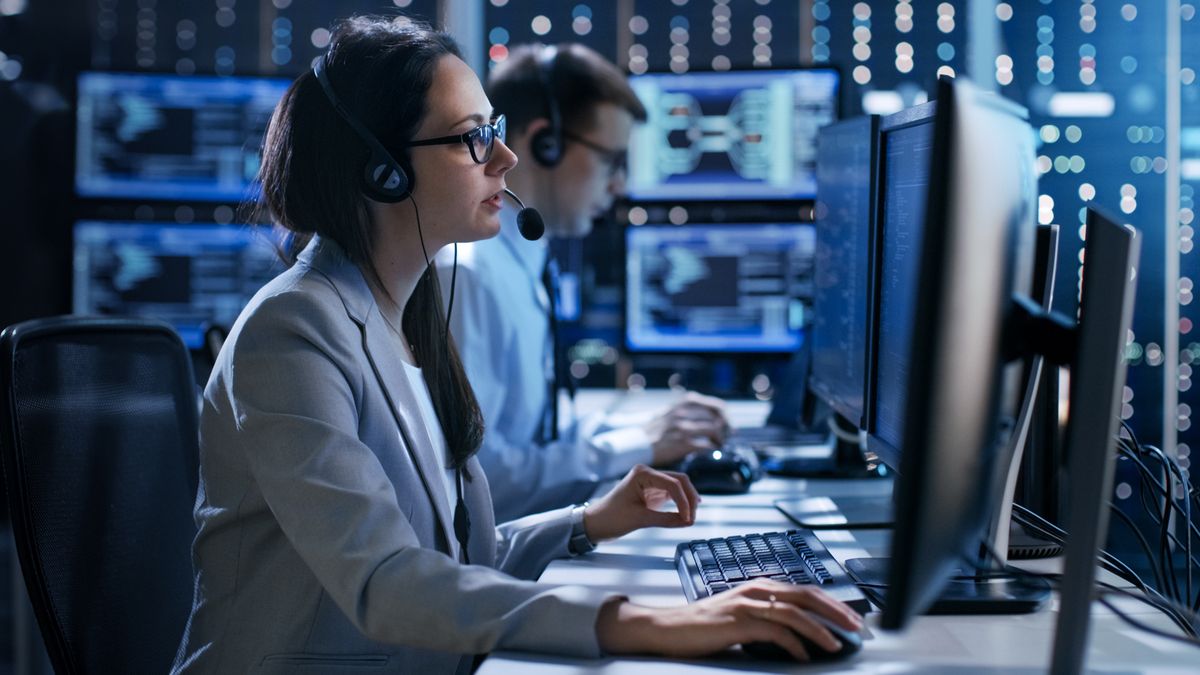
{"x": 453, "y": 280}
{"x": 462, "y": 516}
{"x": 1112, "y": 565}
{"x": 1174, "y": 611}
{"x": 1161, "y": 567}
{"x": 1189, "y": 639}
{"x": 1110, "y": 562}
{"x": 1124, "y": 518}
{"x": 1172, "y": 466}
{"x": 1165, "y": 495}
{"x": 1166, "y": 562}
{"x": 1162, "y": 493}
{"x": 1171, "y": 609}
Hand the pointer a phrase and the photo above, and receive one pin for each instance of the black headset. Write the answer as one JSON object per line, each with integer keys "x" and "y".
{"x": 546, "y": 146}
{"x": 384, "y": 179}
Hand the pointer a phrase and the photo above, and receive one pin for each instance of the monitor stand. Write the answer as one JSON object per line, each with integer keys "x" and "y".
{"x": 961, "y": 595}
{"x": 980, "y": 594}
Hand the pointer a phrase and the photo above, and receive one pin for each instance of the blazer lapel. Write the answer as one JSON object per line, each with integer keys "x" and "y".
{"x": 389, "y": 370}
{"x": 326, "y": 257}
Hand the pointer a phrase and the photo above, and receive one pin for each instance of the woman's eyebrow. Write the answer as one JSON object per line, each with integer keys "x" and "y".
{"x": 473, "y": 117}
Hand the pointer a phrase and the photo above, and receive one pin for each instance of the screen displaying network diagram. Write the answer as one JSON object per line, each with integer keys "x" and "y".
{"x": 730, "y": 135}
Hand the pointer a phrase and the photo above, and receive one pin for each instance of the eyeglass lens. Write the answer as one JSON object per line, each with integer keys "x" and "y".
{"x": 483, "y": 139}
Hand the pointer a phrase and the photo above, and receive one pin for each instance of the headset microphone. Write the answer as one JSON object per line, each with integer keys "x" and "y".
{"x": 529, "y": 221}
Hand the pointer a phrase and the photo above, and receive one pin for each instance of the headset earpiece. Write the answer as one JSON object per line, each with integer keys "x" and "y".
{"x": 384, "y": 179}
{"x": 546, "y": 145}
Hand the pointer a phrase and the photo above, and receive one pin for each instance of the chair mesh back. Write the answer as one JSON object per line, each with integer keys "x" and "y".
{"x": 102, "y": 477}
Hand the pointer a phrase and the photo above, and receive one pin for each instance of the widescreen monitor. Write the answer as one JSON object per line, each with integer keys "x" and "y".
{"x": 168, "y": 137}
{"x": 730, "y": 135}
{"x": 846, "y": 160}
{"x": 717, "y": 288}
{"x": 191, "y": 276}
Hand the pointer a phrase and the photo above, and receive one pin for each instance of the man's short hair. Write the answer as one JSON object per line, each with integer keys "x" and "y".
{"x": 579, "y": 78}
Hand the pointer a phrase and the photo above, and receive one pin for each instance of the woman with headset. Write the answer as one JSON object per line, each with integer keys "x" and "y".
{"x": 344, "y": 522}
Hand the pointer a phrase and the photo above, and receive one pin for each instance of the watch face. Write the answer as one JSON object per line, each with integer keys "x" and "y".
{"x": 580, "y": 544}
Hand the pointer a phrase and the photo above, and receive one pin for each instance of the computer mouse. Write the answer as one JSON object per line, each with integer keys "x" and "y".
{"x": 728, "y": 470}
{"x": 851, "y": 644}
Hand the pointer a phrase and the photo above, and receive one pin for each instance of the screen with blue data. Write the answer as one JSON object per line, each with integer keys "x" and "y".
{"x": 153, "y": 136}
{"x": 730, "y": 135}
{"x": 717, "y": 288}
{"x": 904, "y": 156}
{"x": 842, "y": 264}
{"x": 191, "y": 276}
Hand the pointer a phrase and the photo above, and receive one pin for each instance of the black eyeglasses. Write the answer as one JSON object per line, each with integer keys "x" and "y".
{"x": 616, "y": 159}
{"x": 480, "y": 140}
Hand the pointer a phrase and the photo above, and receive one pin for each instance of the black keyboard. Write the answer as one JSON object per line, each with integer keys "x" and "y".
{"x": 711, "y": 566}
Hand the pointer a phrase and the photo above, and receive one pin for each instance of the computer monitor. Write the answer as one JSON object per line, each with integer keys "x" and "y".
{"x": 731, "y": 135}
{"x": 846, "y": 162}
{"x": 730, "y": 288}
{"x": 905, "y": 147}
{"x": 961, "y": 398}
{"x": 192, "y": 276}
{"x": 154, "y": 136}
{"x": 1097, "y": 362}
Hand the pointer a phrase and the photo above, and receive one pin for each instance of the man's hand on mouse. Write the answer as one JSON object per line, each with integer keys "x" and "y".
{"x": 697, "y": 422}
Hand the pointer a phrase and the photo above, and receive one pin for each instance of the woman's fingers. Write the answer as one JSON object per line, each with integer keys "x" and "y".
{"x": 806, "y": 598}
{"x": 769, "y": 631}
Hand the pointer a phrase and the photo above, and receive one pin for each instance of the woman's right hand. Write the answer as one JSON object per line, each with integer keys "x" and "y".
{"x": 744, "y": 614}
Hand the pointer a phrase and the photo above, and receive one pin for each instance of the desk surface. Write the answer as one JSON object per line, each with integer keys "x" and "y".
{"x": 641, "y": 566}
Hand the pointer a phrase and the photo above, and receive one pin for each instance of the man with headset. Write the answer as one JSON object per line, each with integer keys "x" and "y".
{"x": 570, "y": 114}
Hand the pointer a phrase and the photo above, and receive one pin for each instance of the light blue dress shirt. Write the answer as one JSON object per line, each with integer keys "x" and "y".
{"x": 501, "y": 324}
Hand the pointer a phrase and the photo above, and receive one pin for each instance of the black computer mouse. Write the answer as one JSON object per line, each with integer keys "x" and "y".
{"x": 851, "y": 644}
{"x": 723, "y": 471}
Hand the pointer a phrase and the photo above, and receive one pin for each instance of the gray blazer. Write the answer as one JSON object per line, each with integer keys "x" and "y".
{"x": 324, "y": 533}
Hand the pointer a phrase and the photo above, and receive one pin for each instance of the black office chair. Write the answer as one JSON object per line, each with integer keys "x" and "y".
{"x": 100, "y": 448}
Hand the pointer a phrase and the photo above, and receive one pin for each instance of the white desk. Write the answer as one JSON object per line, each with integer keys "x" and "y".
{"x": 641, "y": 565}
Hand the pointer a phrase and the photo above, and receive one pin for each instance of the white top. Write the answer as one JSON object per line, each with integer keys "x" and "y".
{"x": 433, "y": 429}
{"x": 501, "y": 325}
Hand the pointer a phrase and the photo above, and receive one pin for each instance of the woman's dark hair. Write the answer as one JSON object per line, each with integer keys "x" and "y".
{"x": 312, "y": 182}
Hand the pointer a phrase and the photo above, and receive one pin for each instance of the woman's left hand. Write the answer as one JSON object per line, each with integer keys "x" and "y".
{"x": 634, "y": 503}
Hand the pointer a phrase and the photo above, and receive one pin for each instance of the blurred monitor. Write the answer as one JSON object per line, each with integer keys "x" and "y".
{"x": 154, "y": 136}
{"x": 1098, "y": 368}
{"x": 846, "y": 160}
{"x": 717, "y": 288}
{"x": 191, "y": 276}
{"x": 905, "y": 146}
{"x": 730, "y": 135}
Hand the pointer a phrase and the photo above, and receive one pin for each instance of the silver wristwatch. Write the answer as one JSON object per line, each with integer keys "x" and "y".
{"x": 579, "y": 543}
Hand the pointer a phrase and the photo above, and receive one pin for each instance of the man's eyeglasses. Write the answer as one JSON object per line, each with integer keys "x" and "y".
{"x": 615, "y": 159}
{"x": 479, "y": 140}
